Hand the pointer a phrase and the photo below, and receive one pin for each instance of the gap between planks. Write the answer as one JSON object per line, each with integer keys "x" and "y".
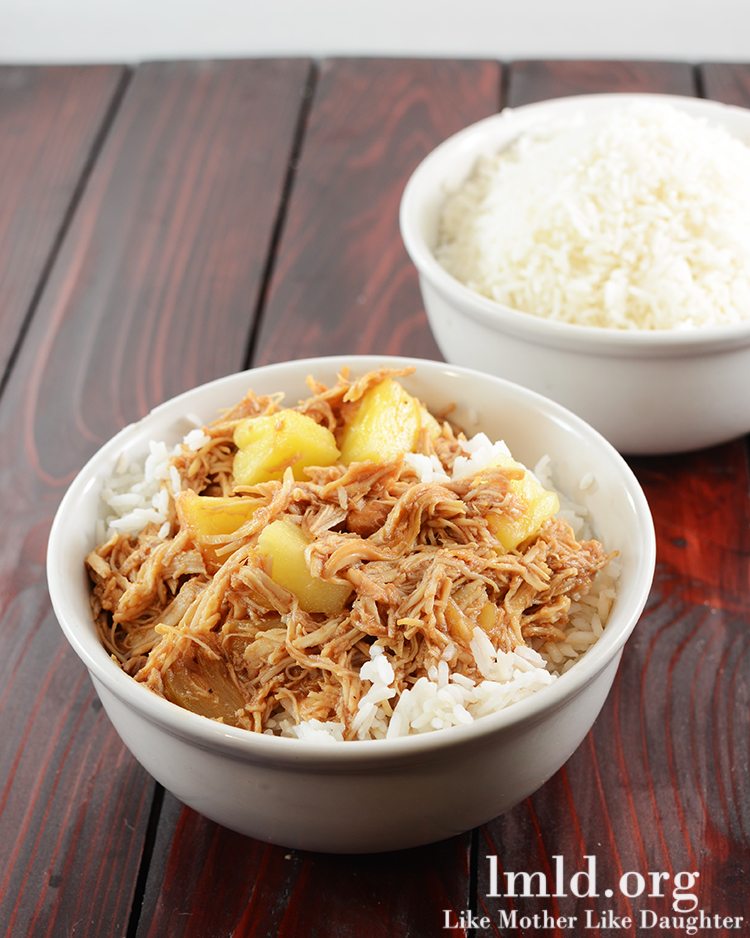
{"x": 97, "y": 144}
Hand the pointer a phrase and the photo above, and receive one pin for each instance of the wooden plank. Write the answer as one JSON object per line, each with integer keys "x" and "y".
{"x": 655, "y": 786}
{"x": 343, "y": 281}
{"x": 726, "y": 82}
{"x": 205, "y": 880}
{"x": 49, "y": 121}
{"x": 340, "y": 252}
{"x": 535, "y": 80}
{"x": 153, "y": 291}
{"x": 212, "y": 882}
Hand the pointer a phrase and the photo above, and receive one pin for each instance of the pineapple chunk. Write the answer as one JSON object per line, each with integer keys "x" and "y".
{"x": 284, "y": 543}
{"x": 386, "y": 425}
{"x": 540, "y": 505}
{"x": 487, "y": 619}
{"x": 206, "y": 515}
{"x": 267, "y": 445}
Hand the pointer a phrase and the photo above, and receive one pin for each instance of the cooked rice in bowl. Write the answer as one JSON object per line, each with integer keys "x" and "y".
{"x": 635, "y": 217}
{"x": 393, "y": 588}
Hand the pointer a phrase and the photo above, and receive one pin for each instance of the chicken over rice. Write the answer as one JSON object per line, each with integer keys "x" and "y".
{"x": 347, "y": 568}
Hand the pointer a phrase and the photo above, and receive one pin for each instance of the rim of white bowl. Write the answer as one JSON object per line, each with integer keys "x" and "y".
{"x": 664, "y": 342}
{"x": 248, "y": 746}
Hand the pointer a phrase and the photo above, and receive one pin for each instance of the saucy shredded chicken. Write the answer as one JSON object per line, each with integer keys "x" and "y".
{"x": 203, "y": 620}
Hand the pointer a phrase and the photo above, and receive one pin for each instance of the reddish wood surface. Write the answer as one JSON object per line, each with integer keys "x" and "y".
{"x": 655, "y": 785}
{"x": 208, "y": 881}
{"x": 153, "y": 291}
{"x": 49, "y": 122}
{"x": 536, "y": 81}
{"x": 182, "y": 233}
{"x": 343, "y": 282}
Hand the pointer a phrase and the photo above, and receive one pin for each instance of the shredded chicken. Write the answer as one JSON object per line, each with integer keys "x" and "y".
{"x": 202, "y": 622}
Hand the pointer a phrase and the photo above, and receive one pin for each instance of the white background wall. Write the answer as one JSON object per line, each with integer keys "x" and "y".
{"x": 131, "y": 30}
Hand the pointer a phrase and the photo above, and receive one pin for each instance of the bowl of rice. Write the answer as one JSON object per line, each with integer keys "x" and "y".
{"x": 319, "y": 651}
{"x": 596, "y": 249}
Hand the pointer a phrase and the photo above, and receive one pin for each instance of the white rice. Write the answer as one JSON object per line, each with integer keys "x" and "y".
{"x": 636, "y": 218}
{"x": 135, "y": 496}
{"x": 480, "y": 453}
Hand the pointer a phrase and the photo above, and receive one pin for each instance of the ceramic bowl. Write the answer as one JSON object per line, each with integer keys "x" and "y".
{"x": 368, "y": 795}
{"x": 646, "y": 391}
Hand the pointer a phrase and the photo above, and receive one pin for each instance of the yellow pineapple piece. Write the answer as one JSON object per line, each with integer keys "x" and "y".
{"x": 487, "y": 619}
{"x": 207, "y": 515}
{"x": 539, "y": 505}
{"x": 284, "y": 543}
{"x": 268, "y": 444}
{"x": 386, "y": 424}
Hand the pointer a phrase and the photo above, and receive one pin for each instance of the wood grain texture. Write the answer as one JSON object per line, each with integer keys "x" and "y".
{"x": 726, "y": 82}
{"x": 152, "y": 291}
{"x": 369, "y": 125}
{"x": 49, "y": 121}
{"x": 660, "y": 782}
{"x": 343, "y": 281}
{"x": 208, "y": 882}
{"x": 536, "y": 81}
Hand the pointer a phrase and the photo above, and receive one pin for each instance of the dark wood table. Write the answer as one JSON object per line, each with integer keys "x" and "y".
{"x": 168, "y": 224}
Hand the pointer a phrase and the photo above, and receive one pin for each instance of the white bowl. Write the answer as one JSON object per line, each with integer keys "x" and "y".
{"x": 376, "y": 794}
{"x": 646, "y": 391}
